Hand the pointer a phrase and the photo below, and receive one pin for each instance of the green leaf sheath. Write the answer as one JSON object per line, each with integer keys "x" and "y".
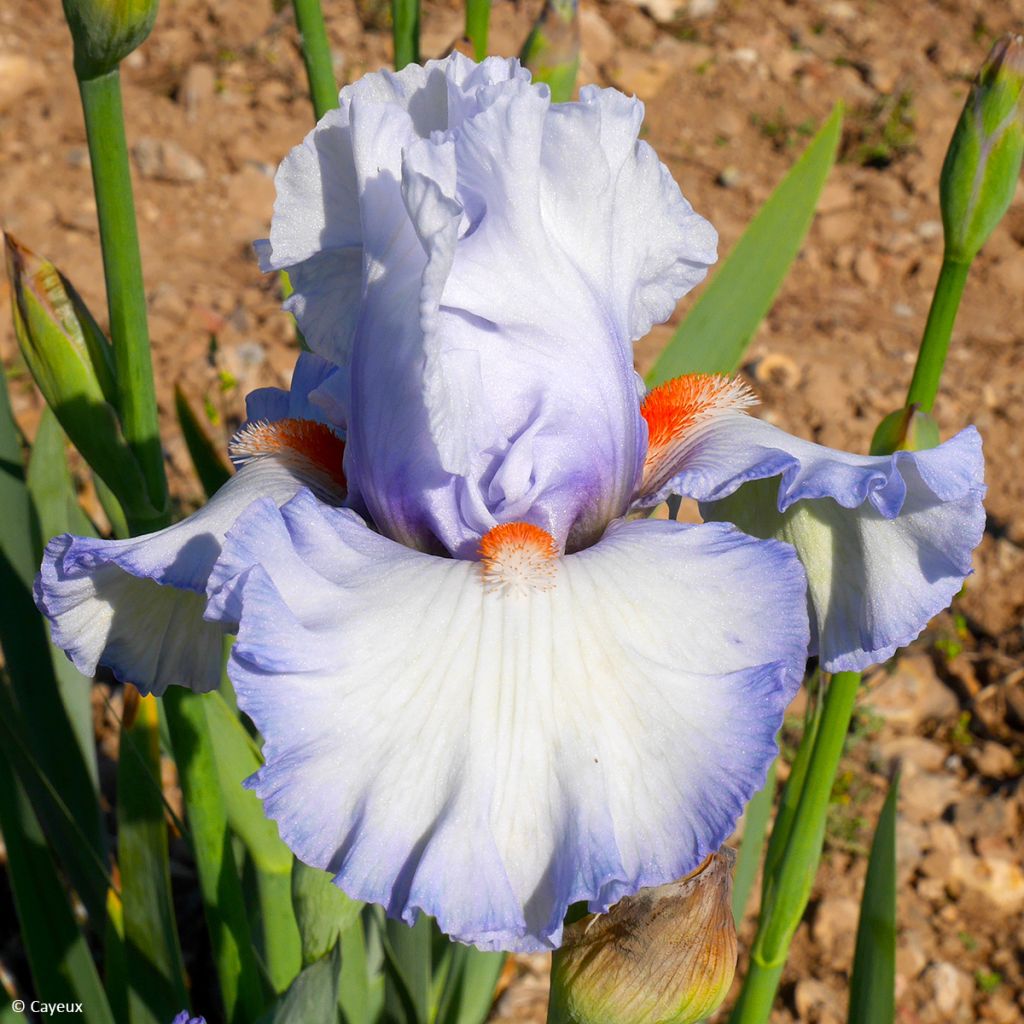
{"x": 931, "y": 357}
{"x": 755, "y": 826}
{"x": 154, "y": 969}
{"x": 788, "y": 888}
{"x": 219, "y": 882}
{"x": 405, "y": 30}
{"x": 316, "y": 54}
{"x": 122, "y": 269}
{"x": 873, "y": 981}
{"x": 719, "y": 326}
{"x": 478, "y": 16}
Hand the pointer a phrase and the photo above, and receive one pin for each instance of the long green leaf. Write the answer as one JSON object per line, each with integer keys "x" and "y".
{"x": 316, "y": 55}
{"x": 715, "y": 333}
{"x": 153, "y": 962}
{"x": 53, "y": 495}
{"x": 58, "y": 954}
{"x": 473, "y": 981}
{"x": 43, "y": 724}
{"x": 873, "y": 982}
{"x": 409, "y": 970}
{"x": 357, "y": 990}
{"x": 752, "y": 845}
{"x": 219, "y": 882}
{"x": 237, "y": 759}
{"x": 209, "y": 463}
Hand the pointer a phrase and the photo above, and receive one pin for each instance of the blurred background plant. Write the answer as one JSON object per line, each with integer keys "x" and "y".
{"x": 100, "y": 921}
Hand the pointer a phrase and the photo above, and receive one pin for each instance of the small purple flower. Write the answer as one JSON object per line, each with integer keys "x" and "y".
{"x": 186, "y": 1018}
{"x": 488, "y": 685}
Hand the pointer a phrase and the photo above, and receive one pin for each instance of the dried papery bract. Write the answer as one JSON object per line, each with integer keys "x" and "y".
{"x": 664, "y": 956}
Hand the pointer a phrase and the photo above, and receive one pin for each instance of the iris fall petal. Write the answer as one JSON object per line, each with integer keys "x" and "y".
{"x": 573, "y": 741}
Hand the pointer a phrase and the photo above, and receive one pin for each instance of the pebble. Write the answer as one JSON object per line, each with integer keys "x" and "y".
{"x": 951, "y": 988}
{"x": 19, "y": 76}
{"x": 197, "y": 89}
{"x": 980, "y": 817}
{"x": 165, "y": 160}
{"x": 867, "y": 269}
{"x": 729, "y": 177}
{"x": 911, "y": 753}
{"x": 835, "y": 926}
{"x": 927, "y": 795}
{"x": 598, "y": 39}
{"x": 911, "y": 694}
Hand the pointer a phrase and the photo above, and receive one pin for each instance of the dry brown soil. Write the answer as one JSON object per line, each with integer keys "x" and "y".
{"x": 216, "y": 97}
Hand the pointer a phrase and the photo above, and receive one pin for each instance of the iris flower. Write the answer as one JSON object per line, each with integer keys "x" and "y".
{"x": 488, "y": 682}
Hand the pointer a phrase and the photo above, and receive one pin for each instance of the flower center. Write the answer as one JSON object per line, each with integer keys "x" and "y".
{"x": 518, "y": 558}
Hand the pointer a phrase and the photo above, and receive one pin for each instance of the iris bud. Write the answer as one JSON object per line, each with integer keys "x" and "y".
{"x": 69, "y": 357}
{"x": 666, "y": 955}
{"x": 980, "y": 173}
{"x": 552, "y": 50}
{"x": 906, "y": 430}
{"x": 106, "y": 31}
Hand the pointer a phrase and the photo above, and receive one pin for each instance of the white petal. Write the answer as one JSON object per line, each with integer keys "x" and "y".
{"x": 490, "y": 758}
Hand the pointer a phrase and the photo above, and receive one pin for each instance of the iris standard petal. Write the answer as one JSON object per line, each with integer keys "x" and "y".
{"x": 886, "y": 540}
{"x": 137, "y": 606}
{"x": 509, "y": 253}
{"x": 488, "y": 742}
{"x": 303, "y": 400}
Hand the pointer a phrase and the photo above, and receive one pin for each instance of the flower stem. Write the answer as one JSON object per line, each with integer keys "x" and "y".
{"x": 788, "y": 889}
{"x": 316, "y": 53}
{"x": 478, "y": 15}
{"x": 935, "y": 344}
{"x": 122, "y": 270}
{"x": 405, "y": 16}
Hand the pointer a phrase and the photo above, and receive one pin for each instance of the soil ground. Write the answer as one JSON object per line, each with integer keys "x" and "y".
{"x": 217, "y": 96}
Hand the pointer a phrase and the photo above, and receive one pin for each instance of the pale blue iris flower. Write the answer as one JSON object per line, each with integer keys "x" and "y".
{"x": 488, "y": 686}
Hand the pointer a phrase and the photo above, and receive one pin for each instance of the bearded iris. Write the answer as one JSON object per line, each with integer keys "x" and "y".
{"x": 488, "y": 686}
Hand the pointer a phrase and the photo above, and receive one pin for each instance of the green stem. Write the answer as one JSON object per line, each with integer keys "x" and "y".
{"x": 122, "y": 269}
{"x": 788, "y": 890}
{"x": 935, "y": 344}
{"x": 316, "y": 52}
{"x": 478, "y": 16}
{"x": 405, "y": 16}
{"x": 219, "y": 883}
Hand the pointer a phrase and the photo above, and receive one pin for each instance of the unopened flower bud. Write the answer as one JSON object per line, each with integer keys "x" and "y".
{"x": 70, "y": 359}
{"x": 664, "y": 956}
{"x": 905, "y": 430}
{"x": 980, "y": 173}
{"x": 552, "y": 50}
{"x": 106, "y": 31}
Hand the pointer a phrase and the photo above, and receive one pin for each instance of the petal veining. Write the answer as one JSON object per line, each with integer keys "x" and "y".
{"x": 490, "y": 755}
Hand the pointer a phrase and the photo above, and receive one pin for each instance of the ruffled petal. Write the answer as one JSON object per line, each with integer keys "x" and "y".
{"x": 465, "y": 175}
{"x": 137, "y": 606}
{"x": 886, "y": 540}
{"x": 301, "y": 401}
{"x": 490, "y": 755}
